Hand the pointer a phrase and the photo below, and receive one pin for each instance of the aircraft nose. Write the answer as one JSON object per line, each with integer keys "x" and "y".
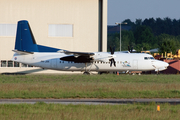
{"x": 160, "y": 65}
{"x": 166, "y": 64}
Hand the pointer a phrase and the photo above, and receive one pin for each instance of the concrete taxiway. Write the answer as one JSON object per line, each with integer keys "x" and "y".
{"x": 173, "y": 101}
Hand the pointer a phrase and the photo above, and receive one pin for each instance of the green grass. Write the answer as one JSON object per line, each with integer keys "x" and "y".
{"x": 42, "y": 111}
{"x": 94, "y": 86}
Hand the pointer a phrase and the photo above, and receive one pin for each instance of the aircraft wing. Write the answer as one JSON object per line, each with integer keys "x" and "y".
{"x": 77, "y": 53}
{"x": 82, "y": 57}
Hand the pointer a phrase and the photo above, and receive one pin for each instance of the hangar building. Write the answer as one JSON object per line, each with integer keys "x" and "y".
{"x": 75, "y": 25}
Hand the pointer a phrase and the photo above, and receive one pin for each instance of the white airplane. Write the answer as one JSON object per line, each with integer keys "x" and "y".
{"x": 28, "y": 52}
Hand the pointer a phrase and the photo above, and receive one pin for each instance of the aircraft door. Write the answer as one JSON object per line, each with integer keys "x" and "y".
{"x": 54, "y": 63}
{"x": 135, "y": 64}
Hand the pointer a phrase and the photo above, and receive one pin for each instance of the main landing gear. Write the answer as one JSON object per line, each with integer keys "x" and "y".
{"x": 87, "y": 72}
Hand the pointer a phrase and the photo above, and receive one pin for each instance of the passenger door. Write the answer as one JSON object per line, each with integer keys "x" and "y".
{"x": 135, "y": 64}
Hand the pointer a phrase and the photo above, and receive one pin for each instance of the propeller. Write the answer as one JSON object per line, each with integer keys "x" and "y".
{"x": 130, "y": 50}
{"x": 112, "y": 61}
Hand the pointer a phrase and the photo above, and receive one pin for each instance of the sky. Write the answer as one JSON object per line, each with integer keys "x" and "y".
{"x": 119, "y": 10}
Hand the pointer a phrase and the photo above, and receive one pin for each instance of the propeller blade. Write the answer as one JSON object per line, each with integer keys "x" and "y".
{"x": 112, "y": 61}
{"x": 113, "y": 49}
{"x": 110, "y": 49}
{"x": 131, "y": 49}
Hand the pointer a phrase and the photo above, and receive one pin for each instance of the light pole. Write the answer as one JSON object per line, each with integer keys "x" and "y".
{"x": 120, "y": 31}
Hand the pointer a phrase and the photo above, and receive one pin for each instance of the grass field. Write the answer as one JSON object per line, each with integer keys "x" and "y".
{"x": 94, "y": 86}
{"x": 42, "y": 111}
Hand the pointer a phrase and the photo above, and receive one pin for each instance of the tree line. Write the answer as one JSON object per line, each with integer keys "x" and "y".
{"x": 148, "y": 34}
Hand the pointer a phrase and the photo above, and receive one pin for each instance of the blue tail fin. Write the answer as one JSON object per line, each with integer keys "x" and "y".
{"x": 24, "y": 38}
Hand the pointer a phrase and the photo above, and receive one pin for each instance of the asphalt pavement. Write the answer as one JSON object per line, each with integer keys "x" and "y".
{"x": 173, "y": 101}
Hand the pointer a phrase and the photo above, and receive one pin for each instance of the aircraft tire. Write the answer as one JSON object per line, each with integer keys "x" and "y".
{"x": 86, "y": 73}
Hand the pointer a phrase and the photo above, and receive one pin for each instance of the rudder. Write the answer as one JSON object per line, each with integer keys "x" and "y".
{"x": 24, "y": 38}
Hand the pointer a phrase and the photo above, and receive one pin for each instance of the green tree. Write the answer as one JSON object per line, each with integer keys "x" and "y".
{"x": 142, "y": 47}
{"x": 129, "y": 22}
{"x": 113, "y": 40}
{"x": 169, "y": 45}
{"x": 143, "y": 34}
{"x": 148, "y": 34}
{"x": 127, "y": 38}
{"x": 138, "y": 22}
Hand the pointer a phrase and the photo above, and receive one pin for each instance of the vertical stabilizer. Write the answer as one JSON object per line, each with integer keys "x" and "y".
{"x": 24, "y": 38}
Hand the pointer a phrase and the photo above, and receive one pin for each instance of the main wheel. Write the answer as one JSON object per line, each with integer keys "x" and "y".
{"x": 86, "y": 73}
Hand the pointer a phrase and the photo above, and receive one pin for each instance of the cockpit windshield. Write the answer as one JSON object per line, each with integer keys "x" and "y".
{"x": 148, "y": 58}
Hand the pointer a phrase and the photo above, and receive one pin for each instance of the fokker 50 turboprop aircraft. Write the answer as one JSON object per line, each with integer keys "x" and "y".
{"x": 28, "y": 52}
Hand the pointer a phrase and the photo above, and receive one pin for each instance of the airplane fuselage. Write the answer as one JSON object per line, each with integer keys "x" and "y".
{"x": 124, "y": 62}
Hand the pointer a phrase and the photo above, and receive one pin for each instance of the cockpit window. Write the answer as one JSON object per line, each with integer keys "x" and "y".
{"x": 148, "y": 58}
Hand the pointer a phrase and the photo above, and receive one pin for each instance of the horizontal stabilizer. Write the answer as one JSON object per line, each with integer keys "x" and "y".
{"x": 22, "y": 52}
